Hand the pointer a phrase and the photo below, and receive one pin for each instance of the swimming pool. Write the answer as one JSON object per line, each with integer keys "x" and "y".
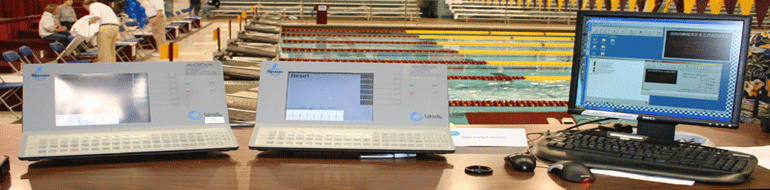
{"x": 487, "y": 65}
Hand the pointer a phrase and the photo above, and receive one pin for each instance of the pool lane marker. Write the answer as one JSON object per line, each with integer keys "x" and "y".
{"x": 437, "y": 37}
{"x": 511, "y": 33}
{"x": 506, "y": 44}
{"x": 533, "y": 33}
{"x": 490, "y": 33}
{"x": 508, "y": 103}
{"x": 471, "y": 52}
{"x": 497, "y": 37}
{"x": 530, "y": 63}
{"x": 448, "y": 32}
{"x": 510, "y": 78}
{"x": 506, "y": 63}
{"x": 566, "y": 45}
{"x": 547, "y": 78}
{"x": 514, "y": 52}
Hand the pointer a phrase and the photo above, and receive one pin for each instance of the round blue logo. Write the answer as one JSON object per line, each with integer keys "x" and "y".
{"x": 416, "y": 116}
{"x": 195, "y": 115}
{"x": 455, "y": 133}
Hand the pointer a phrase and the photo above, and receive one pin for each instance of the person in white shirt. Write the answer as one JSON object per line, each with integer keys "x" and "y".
{"x": 67, "y": 15}
{"x": 49, "y": 27}
{"x": 108, "y": 29}
{"x": 155, "y": 11}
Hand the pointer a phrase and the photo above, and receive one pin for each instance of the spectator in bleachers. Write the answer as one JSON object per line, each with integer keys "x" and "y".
{"x": 67, "y": 15}
{"x": 49, "y": 27}
{"x": 108, "y": 28}
{"x": 155, "y": 13}
{"x": 211, "y": 5}
{"x": 195, "y": 7}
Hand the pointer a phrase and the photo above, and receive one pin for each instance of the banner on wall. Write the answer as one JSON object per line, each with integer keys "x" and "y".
{"x": 755, "y": 103}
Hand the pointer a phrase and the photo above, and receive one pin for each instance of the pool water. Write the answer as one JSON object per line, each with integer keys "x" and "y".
{"x": 533, "y": 50}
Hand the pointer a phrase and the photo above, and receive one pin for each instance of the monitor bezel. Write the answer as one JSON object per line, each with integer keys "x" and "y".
{"x": 577, "y": 55}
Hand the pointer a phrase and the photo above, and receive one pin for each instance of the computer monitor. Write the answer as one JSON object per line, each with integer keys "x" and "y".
{"x": 659, "y": 69}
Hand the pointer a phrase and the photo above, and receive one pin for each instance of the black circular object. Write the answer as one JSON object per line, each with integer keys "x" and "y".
{"x": 478, "y": 170}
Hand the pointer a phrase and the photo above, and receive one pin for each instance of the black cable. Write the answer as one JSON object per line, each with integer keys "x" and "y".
{"x": 589, "y": 122}
{"x": 531, "y": 142}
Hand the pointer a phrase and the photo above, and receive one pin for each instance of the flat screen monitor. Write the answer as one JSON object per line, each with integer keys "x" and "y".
{"x": 661, "y": 69}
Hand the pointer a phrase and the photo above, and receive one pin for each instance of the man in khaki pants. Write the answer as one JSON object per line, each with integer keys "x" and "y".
{"x": 154, "y": 9}
{"x": 108, "y": 29}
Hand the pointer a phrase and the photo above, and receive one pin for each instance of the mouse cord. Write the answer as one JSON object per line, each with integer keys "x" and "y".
{"x": 531, "y": 144}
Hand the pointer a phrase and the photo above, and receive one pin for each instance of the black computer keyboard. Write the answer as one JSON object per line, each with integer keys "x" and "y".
{"x": 640, "y": 154}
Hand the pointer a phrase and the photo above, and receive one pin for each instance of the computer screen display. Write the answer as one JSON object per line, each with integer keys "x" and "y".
{"x": 101, "y": 99}
{"x": 318, "y": 96}
{"x": 654, "y": 67}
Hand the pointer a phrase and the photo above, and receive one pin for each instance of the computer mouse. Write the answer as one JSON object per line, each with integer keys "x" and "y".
{"x": 572, "y": 171}
{"x": 521, "y": 162}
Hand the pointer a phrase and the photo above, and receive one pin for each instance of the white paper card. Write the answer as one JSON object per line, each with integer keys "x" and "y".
{"x": 761, "y": 152}
{"x": 489, "y": 137}
{"x": 643, "y": 177}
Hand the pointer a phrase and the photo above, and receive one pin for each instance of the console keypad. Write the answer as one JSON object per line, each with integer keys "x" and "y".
{"x": 102, "y": 143}
{"x": 356, "y": 139}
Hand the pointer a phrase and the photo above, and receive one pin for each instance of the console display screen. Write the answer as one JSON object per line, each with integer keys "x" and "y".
{"x": 101, "y": 99}
{"x": 329, "y": 96}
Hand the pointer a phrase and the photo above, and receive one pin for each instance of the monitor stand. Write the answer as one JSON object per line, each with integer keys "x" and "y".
{"x": 667, "y": 132}
{"x": 656, "y": 130}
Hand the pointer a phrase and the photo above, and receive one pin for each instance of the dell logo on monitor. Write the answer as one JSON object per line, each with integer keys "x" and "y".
{"x": 648, "y": 118}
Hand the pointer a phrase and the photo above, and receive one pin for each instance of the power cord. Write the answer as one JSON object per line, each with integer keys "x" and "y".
{"x": 531, "y": 144}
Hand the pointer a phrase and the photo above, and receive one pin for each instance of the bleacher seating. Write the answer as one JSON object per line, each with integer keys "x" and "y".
{"x": 548, "y": 11}
{"x": 507, "y": 11}
{"x": 394, "y": 9}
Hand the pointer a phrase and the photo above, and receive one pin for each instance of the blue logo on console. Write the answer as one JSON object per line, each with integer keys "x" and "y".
{"x": 195, "y": 115}
{"x": 39, "y": 74}
{"x": 275, "y": 71}
{"x": 416, "y": 116}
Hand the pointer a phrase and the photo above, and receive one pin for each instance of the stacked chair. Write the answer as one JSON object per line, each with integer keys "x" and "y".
{"x": 65, "y": 54}
{"x": 11, "y": 83}
{"x": 27, "y": 52}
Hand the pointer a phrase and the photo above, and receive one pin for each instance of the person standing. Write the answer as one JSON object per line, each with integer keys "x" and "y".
{"x": 195, "y": 5}
{"x": 67, "y": 15}
{"x": 211, "y": 5}
{"x": 50, "y": 29}
{"x": 155, "y": 9}
{"x": 108, "y": 28}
